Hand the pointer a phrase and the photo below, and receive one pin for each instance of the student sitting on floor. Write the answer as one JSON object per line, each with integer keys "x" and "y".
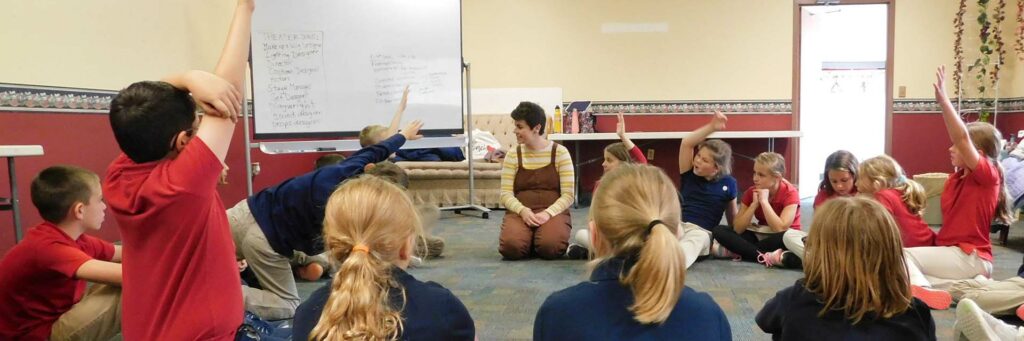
{"x": 615, "y": 154}
{"x": 637, "y": 287}
{"x": 181, "y": 279}
{"x": 42, "y": 286}
{"x": 775, "y": 203}
{"x": 972, "y": 197}
{"x": 840, "y": 177}
{"x": 855, "y": 283}
{"x": 370, "y": 226}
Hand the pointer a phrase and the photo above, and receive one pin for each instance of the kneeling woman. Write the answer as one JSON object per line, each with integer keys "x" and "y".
{"x": 537, "y": 182}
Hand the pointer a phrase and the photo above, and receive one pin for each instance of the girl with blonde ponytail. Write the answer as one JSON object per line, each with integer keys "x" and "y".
{"x": 884, "y": 179}
{"x": 370, "y": 227}
{"x": 637, "y": 281}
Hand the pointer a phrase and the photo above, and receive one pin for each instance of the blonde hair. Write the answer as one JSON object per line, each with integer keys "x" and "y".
{"x": 988, "y": 139}
{"x": 774, "y": 161}
{"x": 722, "y": 153}
{"x": 629, "y": 199}
{"x": 376, "y": 213}
{"x": 884, "y": 172}
{"x": 370, "y": 135}
{"x": 855, "y": 260}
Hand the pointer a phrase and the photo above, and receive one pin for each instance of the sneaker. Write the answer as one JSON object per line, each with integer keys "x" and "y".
{"x": 771, "y": 259}
{"x": 577, "y": 251}
{"x": 434, "y": 248}
{"x": 719, "y": 251}
{"x": 971, "y": 323}
{"x": 935, "y": 299}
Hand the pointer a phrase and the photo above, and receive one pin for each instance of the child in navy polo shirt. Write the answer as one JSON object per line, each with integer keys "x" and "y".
{"x": 706, "y": 188}
{"x": 273, "y": 223}
{"x": 855, "y": 284}
{"x": 42, "y": 286}
{"x": 370, "y": 226}
{"x": 637, "y": 284}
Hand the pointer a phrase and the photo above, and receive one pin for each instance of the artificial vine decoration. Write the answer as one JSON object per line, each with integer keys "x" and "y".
{"x": 1019, "y": 45}
{"x": 958, "y": 45}
{"x": 985, "y": 56}
{"x": 997, "y": 40}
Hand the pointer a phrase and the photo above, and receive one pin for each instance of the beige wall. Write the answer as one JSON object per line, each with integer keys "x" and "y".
{"x": 107, "y": 44}
{"x": 713, "y": 50}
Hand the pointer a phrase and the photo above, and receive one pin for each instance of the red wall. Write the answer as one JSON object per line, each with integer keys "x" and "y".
{"x": 85, "y": 140}
{"x": 919, "y": 143}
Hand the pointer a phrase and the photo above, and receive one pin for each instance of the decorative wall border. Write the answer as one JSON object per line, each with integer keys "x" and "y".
{"x": 22, "y": 98}
{"x": 32, "y": 98}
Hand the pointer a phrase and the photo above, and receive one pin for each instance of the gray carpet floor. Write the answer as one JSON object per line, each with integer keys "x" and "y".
{"x": 503, "y": 296}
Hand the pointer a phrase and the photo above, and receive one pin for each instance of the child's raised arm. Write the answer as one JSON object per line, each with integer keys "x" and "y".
{"x": 954, "y": 126}
{"x": 216, "y": 130}
{"x": 686, "y": 146}
{"x": 620, "y": 129}
{"x": 397, "y": 119}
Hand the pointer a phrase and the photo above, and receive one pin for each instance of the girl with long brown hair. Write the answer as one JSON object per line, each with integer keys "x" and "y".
{"x": 855, "y": 281}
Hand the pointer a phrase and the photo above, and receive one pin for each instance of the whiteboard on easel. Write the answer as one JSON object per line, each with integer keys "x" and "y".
{"x": 328, "y": 68}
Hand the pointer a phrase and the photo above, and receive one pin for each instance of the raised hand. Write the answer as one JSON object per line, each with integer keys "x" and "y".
{"x": 412, "y": 130}
{"x": 216, "y": 96}
{"x": 940, "y": 84}
{"x": 718, "y": 120}
{"x": 620, "y": 128}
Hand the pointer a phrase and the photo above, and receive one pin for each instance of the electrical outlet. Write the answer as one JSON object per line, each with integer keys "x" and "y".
{"x": 650, "y": 154}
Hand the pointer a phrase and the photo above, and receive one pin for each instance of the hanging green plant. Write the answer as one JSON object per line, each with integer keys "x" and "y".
{"x": 958, "y": 47}
{"x": 981, "y": 64}
{"x": 1018, "y": 45}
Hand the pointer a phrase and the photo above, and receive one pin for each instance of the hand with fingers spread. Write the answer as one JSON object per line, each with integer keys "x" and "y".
{"x": 412, "y": 130}
{"x": 214, "y": 95}
{"x": 940, "y": 84}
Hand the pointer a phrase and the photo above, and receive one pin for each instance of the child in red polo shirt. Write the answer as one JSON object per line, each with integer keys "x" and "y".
{"x": 775, "y": 203}
{"x": 839, "y": 177}
{"x": 42, "y": 290}
{"x": 971, "y": 198}
{"x": 883, "y": 178}
{"x": 162, "y": 192}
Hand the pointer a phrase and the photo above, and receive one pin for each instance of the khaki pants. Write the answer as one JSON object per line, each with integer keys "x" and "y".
{"x": 279, "y": 296}
{"x": 694, "y": 240}
{"x": 794, "y": 241}
{"x": 96, "y": 317}
{"x": 1000, "y": 298}
{"x": 940, "y": 266}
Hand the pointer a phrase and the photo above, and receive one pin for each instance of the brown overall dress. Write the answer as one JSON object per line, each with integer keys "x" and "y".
{"x": 536, "y": 189}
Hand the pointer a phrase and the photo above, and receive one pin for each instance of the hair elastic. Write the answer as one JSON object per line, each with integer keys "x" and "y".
{"x": 360, "y": 248}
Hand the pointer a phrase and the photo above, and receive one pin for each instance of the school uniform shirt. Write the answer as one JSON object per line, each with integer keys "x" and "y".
{"x": 599, "y": 310}
{"x": 430, "y": 154}
{"x": 786, "y": 195}
{"x": 969, "y": 202}
{"x": 431, "y": 312}
{"x": 793, "y": 315}
{"x": 823, "y": 196}
{"x": 637, "y": 155}
{"x": 703, "y": 202}
{"x": 291, "y": 214}
{"x": 180, "y": 276}
{"x": 913, "y": 230}
{"x": 37, "y": 280}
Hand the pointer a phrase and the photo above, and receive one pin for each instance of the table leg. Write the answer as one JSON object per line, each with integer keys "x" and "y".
{"x": 576, "y": 173}
{"x": 14, "y": 199}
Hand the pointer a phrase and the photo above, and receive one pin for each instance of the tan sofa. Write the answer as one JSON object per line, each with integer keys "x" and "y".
{"x": 447, "y": 183}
